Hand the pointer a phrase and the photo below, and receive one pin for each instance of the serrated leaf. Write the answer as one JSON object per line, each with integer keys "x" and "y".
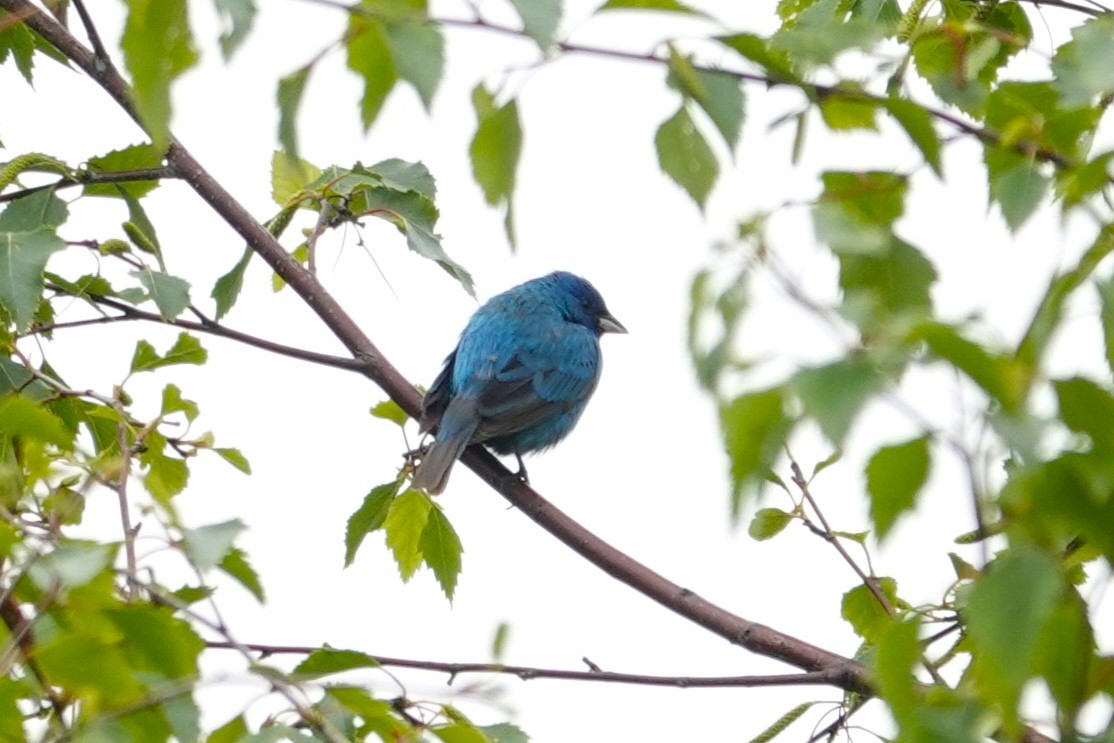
{"x": 1018, "y": 187}
{"x": 897, "y": 655}
{"x": 665, "y": 6}
{"x": 504, "y": 732}
{"x": 768, "y": 523}
{"x": 861, "y": 608}
{"x": 17, "y": 39}
{"x": 834, "y": 394}
{"x": 34, "y": 211}
{"x": 158, "y": 47}
{"x": 842, "y": 112}
{"x": 328, "y": 661}
{"x": 917, "y": 123}
{"x": 406, "y": 176}
{"x": 236, "y": 18}
{"x": 894, "y": 477}
{"x": 1001, "y": 377}
{"x": 235, "y": 458}
{"x": 1080, "y": 69}
{"x": 540, "y": 19}
{"x": 404, "y": 523}
{"x": 684, "y": 155}
{"x": 418, "y": 54}
{"x": 441, "y": 549}
{"x": 369, "y": 56}
{"x": 754, "y": 429}
{"x": 135, "y": 157}
{"x": 1006, "y": 610}
{"x": 186, "y": 350}
{"x": 389, "y": 410}
{"x": 1086, "y": 407}
{"x": 290, "y": 176}
{"x": 495, "y": 150}
{"x": 173, "y": 402}
{"x": 227, "y": 288}
{"x": 22, "y": 418}
{"x": 235, "y": 563}
{"x": 289, "y": 99}
{"x": 23, "y": 257}
{"x": 166, "y": 476}
{"x": 72, "y": 564}
{"x": 208, "y": 546}
{"x": 368, "y": 517}
{"x": 171, "y": 293}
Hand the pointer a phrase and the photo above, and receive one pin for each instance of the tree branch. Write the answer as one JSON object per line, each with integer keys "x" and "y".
{"x": 86, "y": 178}
{"x": 528, "y": 673}
{"x": 758, "y": 638}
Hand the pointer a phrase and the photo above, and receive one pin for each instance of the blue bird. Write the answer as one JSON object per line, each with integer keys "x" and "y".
{"x": 520, "y": 376}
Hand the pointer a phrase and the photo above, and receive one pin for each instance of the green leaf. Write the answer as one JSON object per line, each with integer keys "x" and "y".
{"x": 895, "y": 661}
{"x": 540, "y": 19}
{"x": 664, "y": 6}
{"x": 186, "y": 350}
{"x": 1077, "y": 184}
{"x": 65, "y": 660}
{"x": 23, "y": 257}
{"x": 166, "y": 476}
{"x": 861, "y": 608}
{"x": 289, "y": 98}
{"x": 173, "y": 402}
{"x": 1087, "y": 408}
{"x": 1106, "y": 295}
{"x": 459, "y": 732}
{"x": 1016, "y": 184}
{"x": 368, "y": 517}
{"x": 235, "y": 563}
{"x": 842, "y": 111}
{"x": 359, "y": 701}
{"x": 236, "y": 17}
{"x": 233, "y": 731}
{"x": 389, "y": 410}
{"x": 441, "y": 549}
{"x": 235, "y": 458}
{"x": 684, "y": 155}
{"x": 405, "y": 522}
{"x": 768, "y": 523}
{"x": 418, "y": 53}
{"x": 135, "y": 157}
{"x": 1006, "y": 612}
{"x": 894, "y": 283}
{"x": 406, "y": 176}
{"x": 755, "y": 427}
{"x": 1064, "y": 654}
{"x": 495, "y": 151}
{"x": 999, "y": 376}
{"x": 820, "y": 32}
{"x": 756, "y": 49}
{"x": 207, "y": 546}
{"x": 833, "y": 394}
{"x": 158, "y": 47}
{"x": 290, "y": 177}
{"x": 1080, "y": 69}
{"x": 171, "y": 294}
{"x": 227, "y": 288}
{"x": 11, "y": 692}
{"x": 32, "y": 212}
{"x": 722, "y": 99}
{"x": 73, "y": 564}
{"x": 917, "y": 123}
{"x": 894, "y": 476}
{"x": 17, "y": 39}
{"x": 23, "y": 418}
{"x": 369, "y": 56}
{"x": 327, "y": 661}
{"x": 504, "y": 732}
{"x": 158, "y": 642}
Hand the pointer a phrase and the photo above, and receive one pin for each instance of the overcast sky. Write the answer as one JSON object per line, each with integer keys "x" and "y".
{"x": 644, "y": 469}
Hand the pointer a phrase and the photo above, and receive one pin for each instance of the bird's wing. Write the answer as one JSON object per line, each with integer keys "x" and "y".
{"x": 536, "y": 382}
{"x": 437, "y": 398}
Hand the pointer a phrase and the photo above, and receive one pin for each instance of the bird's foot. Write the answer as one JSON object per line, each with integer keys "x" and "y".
{"x": 521, "y": 474}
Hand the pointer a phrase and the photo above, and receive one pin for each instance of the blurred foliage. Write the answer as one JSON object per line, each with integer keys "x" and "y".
{"x": 1042, "y": 506}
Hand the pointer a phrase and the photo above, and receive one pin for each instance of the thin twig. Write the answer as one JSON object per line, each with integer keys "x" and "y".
{"x": 121, "y": 488}
{"x": 91, "y": 31}
{"x": 527, "y": 673}
{"x": 89, "y": 178}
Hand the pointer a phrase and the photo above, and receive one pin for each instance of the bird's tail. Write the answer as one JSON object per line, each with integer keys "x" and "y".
{"x": 453, "y": 436}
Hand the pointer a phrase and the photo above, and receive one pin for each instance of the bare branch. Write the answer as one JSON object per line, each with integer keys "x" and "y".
{"x": 86, "y": 178}
{"x": 528, "y": 673}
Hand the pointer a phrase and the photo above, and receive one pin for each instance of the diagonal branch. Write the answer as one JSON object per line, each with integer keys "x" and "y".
{"x": 758, "y": 638}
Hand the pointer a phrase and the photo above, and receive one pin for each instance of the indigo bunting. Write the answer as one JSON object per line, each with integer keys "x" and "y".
{"x": 520, "y": 375}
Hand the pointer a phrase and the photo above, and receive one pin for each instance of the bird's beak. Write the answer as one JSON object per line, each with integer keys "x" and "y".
{"x": 608, "y": 324}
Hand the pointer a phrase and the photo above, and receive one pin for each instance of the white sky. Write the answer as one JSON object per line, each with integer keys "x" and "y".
{"x": 644, "y": 468}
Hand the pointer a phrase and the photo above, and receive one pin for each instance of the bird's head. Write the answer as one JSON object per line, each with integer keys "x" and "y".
{"x": 581, "y": 303}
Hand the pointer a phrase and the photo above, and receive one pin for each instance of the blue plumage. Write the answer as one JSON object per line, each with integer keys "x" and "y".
{"x": 520, "y": 376}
